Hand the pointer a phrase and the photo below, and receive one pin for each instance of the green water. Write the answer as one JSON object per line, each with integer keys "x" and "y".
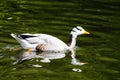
{"x": 57, "y": 17}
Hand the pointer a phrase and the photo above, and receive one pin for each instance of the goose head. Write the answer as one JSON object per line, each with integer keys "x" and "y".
{"x": 78, "y": 31}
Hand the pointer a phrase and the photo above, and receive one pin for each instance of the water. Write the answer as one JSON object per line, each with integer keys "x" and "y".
{"x": 100, "y": 49}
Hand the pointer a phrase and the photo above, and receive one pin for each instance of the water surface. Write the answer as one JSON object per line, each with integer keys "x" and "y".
{"x": 100, "y": 49}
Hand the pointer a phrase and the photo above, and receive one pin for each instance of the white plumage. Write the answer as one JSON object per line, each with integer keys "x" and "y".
{"x": 45, "y": 42}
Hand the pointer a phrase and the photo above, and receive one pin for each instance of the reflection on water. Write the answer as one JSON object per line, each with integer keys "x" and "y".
{"x": 74, "y": 61}
{"x": 56, "y": 17}
{"x": 77, "y": 70}
{"x": 46, "y": 56}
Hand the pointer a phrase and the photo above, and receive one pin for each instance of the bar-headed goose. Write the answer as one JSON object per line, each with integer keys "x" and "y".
{"x": 45, "y": 42}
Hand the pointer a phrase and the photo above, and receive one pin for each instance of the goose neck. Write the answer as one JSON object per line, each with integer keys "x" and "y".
{"x": 72, "y": 41}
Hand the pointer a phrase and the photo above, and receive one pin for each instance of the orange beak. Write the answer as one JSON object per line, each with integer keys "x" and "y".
{"x": 85, "y": 32}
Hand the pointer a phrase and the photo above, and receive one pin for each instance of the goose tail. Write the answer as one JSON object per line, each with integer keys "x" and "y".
{"x": 13, "y": 35}
{"x": 25, "y": 44}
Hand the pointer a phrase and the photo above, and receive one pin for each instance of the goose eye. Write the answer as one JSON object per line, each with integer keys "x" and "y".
{"x": 78, "y": 29}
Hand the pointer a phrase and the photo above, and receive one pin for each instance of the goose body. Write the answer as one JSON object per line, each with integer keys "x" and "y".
{"x": 45, "y": 42}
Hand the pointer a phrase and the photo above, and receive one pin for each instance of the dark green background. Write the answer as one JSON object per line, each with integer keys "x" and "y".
{"x": 101, "y": 49}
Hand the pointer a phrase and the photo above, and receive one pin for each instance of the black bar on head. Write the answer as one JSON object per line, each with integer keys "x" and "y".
{"x": 78, "y": 29}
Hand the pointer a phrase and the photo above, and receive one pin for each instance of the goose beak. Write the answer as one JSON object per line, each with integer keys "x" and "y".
{"x": 85, "y": 32}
